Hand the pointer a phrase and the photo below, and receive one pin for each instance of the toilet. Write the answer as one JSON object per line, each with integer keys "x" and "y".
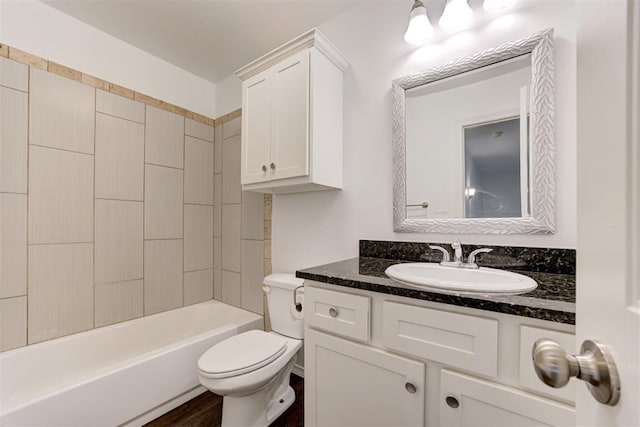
{"x": 251, "y": 370}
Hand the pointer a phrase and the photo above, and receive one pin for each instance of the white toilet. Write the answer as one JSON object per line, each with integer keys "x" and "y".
{"x": 251, "y": 370}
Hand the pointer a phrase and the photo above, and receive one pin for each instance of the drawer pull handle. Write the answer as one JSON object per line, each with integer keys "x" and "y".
{"x": 410, "y": 388}
{"x": 452, "y": 401}
{"x": 333, "y": 312}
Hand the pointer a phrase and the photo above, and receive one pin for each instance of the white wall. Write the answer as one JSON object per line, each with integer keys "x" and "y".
{"x": 315, "y": 228}
{"x": 44, "y": 31}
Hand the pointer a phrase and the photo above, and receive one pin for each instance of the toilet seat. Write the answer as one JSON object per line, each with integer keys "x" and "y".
{"x": 241, "y": 354}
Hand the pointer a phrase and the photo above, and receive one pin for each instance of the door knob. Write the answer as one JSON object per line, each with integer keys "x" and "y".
{"x": 264, "y": 168}
{"x": 272, "y": 166}
{"x": 594, "y": 365}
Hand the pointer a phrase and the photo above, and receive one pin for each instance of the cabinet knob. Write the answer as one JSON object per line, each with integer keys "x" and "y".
{"x": 452, "y": 401}
{"x": 264, "y": 168}
{"x": 272, "y": 166}
{"x": 410, "y": 388}
{"x": 333, "y": 312}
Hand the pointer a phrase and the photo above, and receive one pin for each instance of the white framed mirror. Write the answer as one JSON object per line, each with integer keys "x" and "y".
{"x": 473, "y": 143}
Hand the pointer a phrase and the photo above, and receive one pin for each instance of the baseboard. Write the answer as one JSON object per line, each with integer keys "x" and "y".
{"x": 298, "y": 370}
{"x": 165, "y": 407}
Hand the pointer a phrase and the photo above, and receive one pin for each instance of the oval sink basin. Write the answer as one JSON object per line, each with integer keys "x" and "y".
{"x": 461, "y": 280}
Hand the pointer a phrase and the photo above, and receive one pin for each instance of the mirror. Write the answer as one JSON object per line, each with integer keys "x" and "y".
{"x": 473, "y": 143}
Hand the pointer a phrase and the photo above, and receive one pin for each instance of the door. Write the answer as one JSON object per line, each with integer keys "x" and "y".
{"x": 360, "y": 385}
{"x": 468, "y": 401}
{"x": 608, "y": 249}
{"x": 257, "y": 98}
{"x": 290, "y": 137}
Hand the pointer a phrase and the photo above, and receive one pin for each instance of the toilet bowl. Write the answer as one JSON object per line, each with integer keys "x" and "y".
{"x": 251, "y": 370}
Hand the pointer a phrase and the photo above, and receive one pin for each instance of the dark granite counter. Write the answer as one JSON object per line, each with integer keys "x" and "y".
{"x": 553, "y": 300}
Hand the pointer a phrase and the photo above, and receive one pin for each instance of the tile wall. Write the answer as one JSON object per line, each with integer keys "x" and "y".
{"x": 112, "y": 209}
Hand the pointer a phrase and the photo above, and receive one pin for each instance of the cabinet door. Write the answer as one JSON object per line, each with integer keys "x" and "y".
{"x": 482, "y": 403}
{"x": 257, "y": 99}
{"x": 349, "y": 384}
{"x": 290, "y": 132}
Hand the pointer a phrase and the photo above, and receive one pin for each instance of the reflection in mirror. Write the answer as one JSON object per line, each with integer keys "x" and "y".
{"x": 473, "y": 142}
{"x": 467, "y": 144}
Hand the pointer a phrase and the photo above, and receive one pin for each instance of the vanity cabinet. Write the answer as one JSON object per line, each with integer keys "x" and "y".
{"x": 378, "y": 359}
{"x": 292, "y": 117}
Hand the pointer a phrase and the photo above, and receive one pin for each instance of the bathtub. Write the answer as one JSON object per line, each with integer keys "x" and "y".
{"x": 128, "y": 373}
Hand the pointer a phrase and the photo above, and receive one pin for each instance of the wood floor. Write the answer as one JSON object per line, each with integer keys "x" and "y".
{"x": 206, "y": 411}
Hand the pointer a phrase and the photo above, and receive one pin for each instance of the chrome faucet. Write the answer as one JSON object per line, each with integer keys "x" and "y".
{"x": 459, "y": 256}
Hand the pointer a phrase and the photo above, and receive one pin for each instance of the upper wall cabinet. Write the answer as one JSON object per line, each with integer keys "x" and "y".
{"x": 292, "y": 117}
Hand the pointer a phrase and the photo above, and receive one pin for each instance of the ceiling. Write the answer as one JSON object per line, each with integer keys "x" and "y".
{"x": 209, "y": 38}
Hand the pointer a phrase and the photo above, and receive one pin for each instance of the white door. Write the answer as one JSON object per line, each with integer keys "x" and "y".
{"x": 257, "y": 99}
{"x": 360, "y": 385}
{"x": 608, "y": 239}
{"x": 290, "y": 133}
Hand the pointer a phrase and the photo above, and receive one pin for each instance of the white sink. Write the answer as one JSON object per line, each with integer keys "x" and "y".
{"x": 481, "y": 281}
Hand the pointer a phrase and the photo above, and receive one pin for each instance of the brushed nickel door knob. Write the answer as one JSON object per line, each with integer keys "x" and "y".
{"x": 594, "y": 365}
{"x": 272, "y": 166}
{"x": 264, "y": 168}
{"x": 333, "y": 312}
{"x": 452, "y": 401}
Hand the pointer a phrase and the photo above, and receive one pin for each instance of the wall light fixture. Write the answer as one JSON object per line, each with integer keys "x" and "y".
{"x": 419, "y": 27}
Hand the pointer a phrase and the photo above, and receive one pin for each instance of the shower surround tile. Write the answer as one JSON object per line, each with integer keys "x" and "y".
{"x": 13, "y": 140}
{"x": 13, "y": 245}
{"x": 164, "y": 139}
{"x": 62, "y": 112}
{"x": 117, "y": 302}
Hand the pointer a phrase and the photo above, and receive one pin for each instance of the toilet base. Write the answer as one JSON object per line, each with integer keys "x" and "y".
{"x": 280, "y": 405}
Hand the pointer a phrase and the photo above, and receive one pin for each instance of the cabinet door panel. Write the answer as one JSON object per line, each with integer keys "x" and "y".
{"x": 350, "y": 384}
{"x": 482, "y": 403}
{"x": 290, "y": 137}
{"x": 256, "y": 128}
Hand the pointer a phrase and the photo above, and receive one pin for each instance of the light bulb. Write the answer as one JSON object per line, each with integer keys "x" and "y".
{"x": 419, "y": 27}
{"x": 497, "y": 5}
{"x": 456, "y": 16}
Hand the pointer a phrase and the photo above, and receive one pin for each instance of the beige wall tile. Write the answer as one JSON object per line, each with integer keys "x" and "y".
{"x": 119, "y": 158}
{"x": 63, "y": 71}
{"x": 13, "y": 323}
{"x": 27, "y": 58}
{"x": 267, "y": 249}
{"x": 267, "y": 266}
{"x": 121, "y": 91}
{"x": 117, "y": 302}
{"x": 198, "y": 171}
{"x": 119, "y": 106}
{"x": 198, "y": 286}
{"x": 148, "y": 100}
{"x": 119, "y": 241}
{"x": 13, "y": 140}
{"x": 217, "y": 158}
{"x": 231, "y": 288}
{"x": 163, "y": 203}
{"x": 14, "y": 75}
{"x": 231, "y": 128}
{"x": 60, "y": 196}
{"x": 217, "y": 268}
{"x": 162, "y": 275}
{"x": 231, "y": 237}
{"x": 231, "y": 189}
{"x": 62, "y": 112}
{"x": 198, "y": 130}
{"x": 198, "y": 237}
{"x": 4, "y": 50}
{"x": 217, "y": 205}
{"x": 252, "y": 275}
{"x": 60, "y": 290}
{"x": 252, "y": 215}
{"x": 268, "y": 206}
{"x": 164, "y": 138}
{"x": 95, "y": 82}
{"x": 13, "y": 245}
{"x": 267, "y": 230}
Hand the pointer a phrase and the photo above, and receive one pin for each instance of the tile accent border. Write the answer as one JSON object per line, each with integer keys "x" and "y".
{"x": 18, "y": 55}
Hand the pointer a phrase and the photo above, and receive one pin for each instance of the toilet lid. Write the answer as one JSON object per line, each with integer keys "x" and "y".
{"x": 241, "y": 353}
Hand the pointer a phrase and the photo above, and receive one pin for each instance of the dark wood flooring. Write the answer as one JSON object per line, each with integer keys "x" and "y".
{"x": 206, "y": 411}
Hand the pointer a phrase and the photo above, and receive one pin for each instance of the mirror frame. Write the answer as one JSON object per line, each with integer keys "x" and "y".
{"x": 541, "y": 146}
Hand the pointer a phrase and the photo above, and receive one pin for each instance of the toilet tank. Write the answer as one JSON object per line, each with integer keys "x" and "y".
{"x": 285, "y": 320}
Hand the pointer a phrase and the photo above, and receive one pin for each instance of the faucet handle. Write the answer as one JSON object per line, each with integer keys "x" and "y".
{"x": 445, "y": 253}
{"x": 471, "y": 260}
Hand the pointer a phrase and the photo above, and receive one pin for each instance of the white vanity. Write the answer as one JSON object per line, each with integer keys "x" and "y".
{"x": 373, "y": 357}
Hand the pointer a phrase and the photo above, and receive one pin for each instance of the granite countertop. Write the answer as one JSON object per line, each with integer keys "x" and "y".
{"x": 553, "y": 300}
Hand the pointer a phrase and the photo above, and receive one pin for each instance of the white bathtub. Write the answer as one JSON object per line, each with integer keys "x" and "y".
{"x": 128, "y": 373}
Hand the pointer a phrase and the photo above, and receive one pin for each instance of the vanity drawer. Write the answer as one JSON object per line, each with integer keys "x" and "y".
{"x": 528, "y": 378}
{"x": 337, "y": 312}
{"x": 466, "y": 342}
